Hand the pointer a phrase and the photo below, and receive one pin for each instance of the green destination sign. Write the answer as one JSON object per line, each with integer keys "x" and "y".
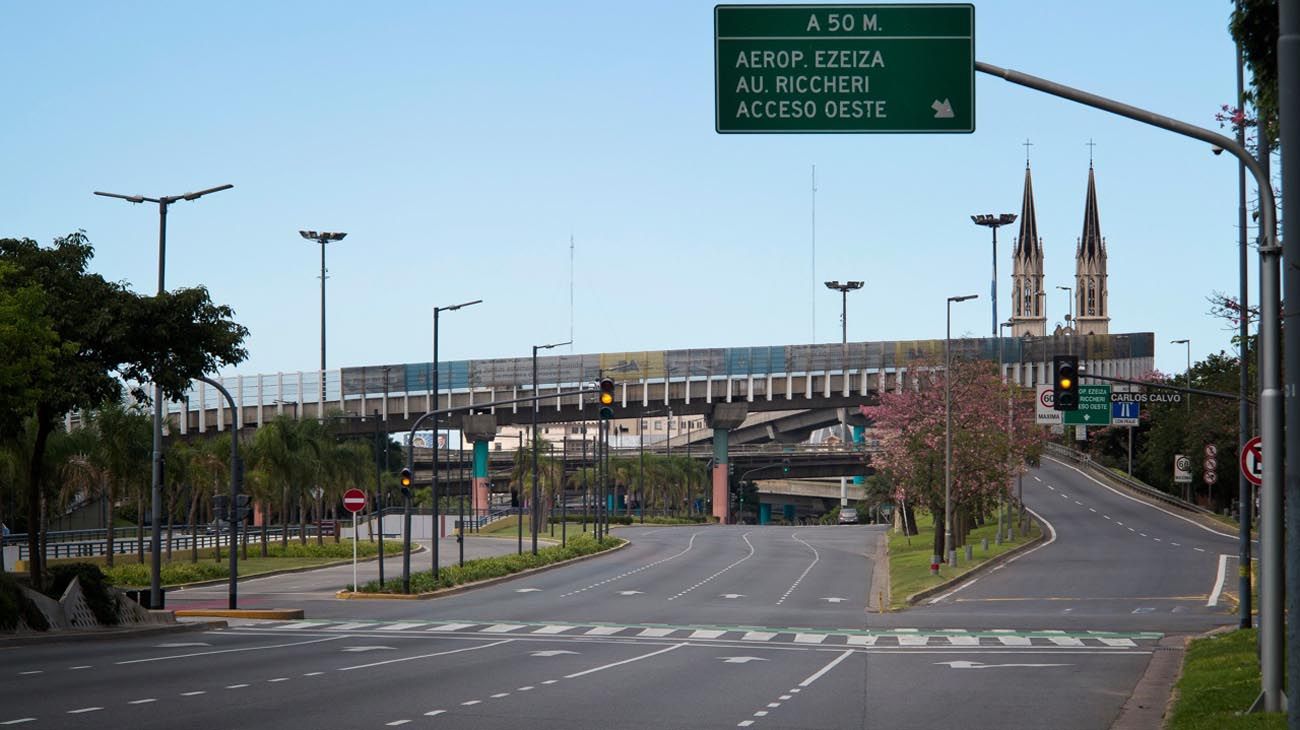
{"x": 1094, "y": 407}
{"x": 844, "y": 68}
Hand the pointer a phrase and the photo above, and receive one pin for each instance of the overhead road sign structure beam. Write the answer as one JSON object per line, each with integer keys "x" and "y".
{"x": 844, "y": 68}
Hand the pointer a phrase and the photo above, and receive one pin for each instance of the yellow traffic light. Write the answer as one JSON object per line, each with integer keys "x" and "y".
{"x": 406, "y": 477}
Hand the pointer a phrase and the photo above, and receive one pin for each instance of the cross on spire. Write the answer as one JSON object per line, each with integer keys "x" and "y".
{"x": 1090, "y": 144}
{"x": 1027, "y": 144}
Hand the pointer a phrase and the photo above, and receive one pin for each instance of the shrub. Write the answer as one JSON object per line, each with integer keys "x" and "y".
{"x": 94, "y": 586}
{"x": 14, "y": 605}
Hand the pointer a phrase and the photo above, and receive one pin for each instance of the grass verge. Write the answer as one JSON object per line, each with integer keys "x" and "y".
{"x": 1220, "y": 681}
{"x": 180, "y": 570}
{"x": 495, "y": 567}
{"x": 909, "y": 557}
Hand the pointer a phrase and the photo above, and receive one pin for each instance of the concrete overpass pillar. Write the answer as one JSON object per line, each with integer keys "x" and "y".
{"x": 722, "y": 419}
{"x": 480, "y": 429}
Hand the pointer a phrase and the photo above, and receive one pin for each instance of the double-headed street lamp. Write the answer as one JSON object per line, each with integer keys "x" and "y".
{"x": 433, "y": 390}
{"x": 322, "y": 237}
{"x": 948, "y": 546}
{"x": 1069, "y": 313}
{"x": 155, "y": 579}
{"x": 994, "y": 222}
{"x": 534, "y": 512}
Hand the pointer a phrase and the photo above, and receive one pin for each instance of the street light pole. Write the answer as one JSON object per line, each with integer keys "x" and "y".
{"x": 993, "y": 222}
{"x": 533, "y": 512}
{"x": 155, "y": 579}
{"x": 844, "y": 290}
{"x": 1188, "y": 396}
{"x": 949, "y": 548}
{"x": 1069, "y": 315}
{"x": 433, "y": 387}
{"x": 322, "y": 237}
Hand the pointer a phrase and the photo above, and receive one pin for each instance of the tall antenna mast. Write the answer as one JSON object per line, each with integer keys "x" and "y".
{"x": 570, "y": 293}
{"x": 814, "y": 255}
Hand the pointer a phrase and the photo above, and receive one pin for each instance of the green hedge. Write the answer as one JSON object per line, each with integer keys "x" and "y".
{"x": 15, "y": 605}
{"x": 635, "y": 519}
{"x": 94, "y": 586}
{"x": 484, "y": 568}
{"x": 176, "y": 572}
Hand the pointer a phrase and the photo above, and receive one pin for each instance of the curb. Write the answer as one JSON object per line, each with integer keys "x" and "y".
{"x": 115, "y": 633}
{"x": 1154, "y": 694}
{"x": 353, "y": 595}
{"x": 880, "y": 576}
{"x": 983, "y": 567}
{"x": 282, "y": 614}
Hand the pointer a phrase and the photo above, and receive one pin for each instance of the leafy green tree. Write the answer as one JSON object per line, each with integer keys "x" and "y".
{"x": 107, "y": 334}
{"x": 1254, "y": 24}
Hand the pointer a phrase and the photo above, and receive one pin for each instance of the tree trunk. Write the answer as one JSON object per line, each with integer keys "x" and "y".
{"x": 194, "y": 528}
{"x": 112, "y": 495}
{"x": 139, "y": 530}
{"x": 320, "y": 539}
{"x": 284, "y": 519}
{"x": 334, "y": 515}
{"x": 171, "y": 523}
{"x": 35, "y": 525}
{"x": 938, "y": 535}
{"x": 266, "y": 515}
{"x": 302, "y": 520}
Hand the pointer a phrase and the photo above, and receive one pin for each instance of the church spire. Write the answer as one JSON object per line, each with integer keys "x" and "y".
{"x": 1027, "y": 272}
{"x": 1090, "y": 288}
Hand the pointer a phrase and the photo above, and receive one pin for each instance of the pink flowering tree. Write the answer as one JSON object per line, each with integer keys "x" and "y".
{"x": 993, "y": 438}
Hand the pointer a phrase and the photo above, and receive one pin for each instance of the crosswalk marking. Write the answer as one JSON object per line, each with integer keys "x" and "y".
{"x": 892, "y": 637}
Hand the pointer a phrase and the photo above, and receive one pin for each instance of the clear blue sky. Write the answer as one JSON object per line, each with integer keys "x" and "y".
{"x": 461, "y": 144}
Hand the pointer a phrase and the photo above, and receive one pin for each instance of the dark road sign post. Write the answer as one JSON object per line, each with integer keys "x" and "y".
{"x": 844, "y": 68}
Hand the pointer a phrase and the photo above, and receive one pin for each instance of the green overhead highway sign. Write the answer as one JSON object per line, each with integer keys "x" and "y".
{"x": 1094, "y": 407}
{"x": 844, "y": 68}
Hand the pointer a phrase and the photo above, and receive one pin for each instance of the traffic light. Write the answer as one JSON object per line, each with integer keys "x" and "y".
{"x": 1065, "y": 386}
{"x": 606, "y": 398}
{"x": 242, "y": 507}
{"x": 406, "y": 478}
{"x": 785, "y": 466}
{"x": 221, "y": 507}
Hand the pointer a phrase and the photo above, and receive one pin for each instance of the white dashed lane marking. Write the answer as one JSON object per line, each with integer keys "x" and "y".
{"x": 647, "y": 566}
{"x": 744, "y": 537}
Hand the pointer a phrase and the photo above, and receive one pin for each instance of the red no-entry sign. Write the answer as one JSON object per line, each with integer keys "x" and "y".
{"x": 1252, "y": 461}
{"x": 354, "y": 500}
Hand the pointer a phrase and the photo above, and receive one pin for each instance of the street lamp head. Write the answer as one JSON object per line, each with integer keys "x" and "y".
{"x": 963, "y": 298}
{"x": 993, "y": 221}
{"x": 462, "y": 305}
{"x": 1179, "y": 342}
{"x": 1064, "y": 288}
{"x": 322, "y": 236}
{"x": 835, "y": 284}
{"x": 552, "y": 345}
{"x": 847, "y": 286}
{"x": 200, "y": 193}
{"x": 854, "y": 284}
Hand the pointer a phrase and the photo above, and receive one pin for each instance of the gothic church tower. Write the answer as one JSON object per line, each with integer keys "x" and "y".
{"x": 1092, "y": 311}
{"x": 1027, "y": 302}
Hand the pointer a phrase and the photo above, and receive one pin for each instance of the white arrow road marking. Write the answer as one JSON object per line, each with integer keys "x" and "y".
{"x": 552, "y": 652}
{"x": 630, "y": 593}
{"x": 731, "y": 595}
{"x": 360, "y": 649}
{"x": 180, "y": 644}
{"x": 834, "y": 599}
{"x": 528, "y": 590}
{"x": 740, "y": 659}
{"x": 962, "y": 664}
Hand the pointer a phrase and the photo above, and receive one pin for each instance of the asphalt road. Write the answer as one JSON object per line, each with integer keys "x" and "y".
{"x": 704, "y": 627}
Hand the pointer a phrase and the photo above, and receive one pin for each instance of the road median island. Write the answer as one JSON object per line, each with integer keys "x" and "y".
{"x": 484, "y": 572}
{"x": 1219, "y": 681}
{"x": 910, "y": 581}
